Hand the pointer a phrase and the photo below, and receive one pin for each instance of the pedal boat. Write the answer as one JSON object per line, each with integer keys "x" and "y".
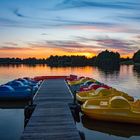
{"x": 8, "y": 93}
{"x": 101, "y": 93}
{"x": 93, "y": 86}
{"x": 88, "y": 83}
{"x": 79, "y": 81}
{"x": 117, "y": 109}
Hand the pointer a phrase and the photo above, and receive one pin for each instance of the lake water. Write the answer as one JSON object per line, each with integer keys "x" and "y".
{"x": 125, "y": 78}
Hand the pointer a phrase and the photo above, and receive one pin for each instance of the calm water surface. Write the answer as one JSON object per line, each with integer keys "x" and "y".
{"x": 125, "y": 78}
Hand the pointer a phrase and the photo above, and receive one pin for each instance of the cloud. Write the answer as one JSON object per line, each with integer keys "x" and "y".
{"x": 113, "y": 43}
{"x": 122, "y": 46}
{"x": 96, "y": 44}
{"x": 72, "y": 44}
{"x": 137, "y": 37}
{"x": 84, "y": 22}
{"x": 44, "y": 34}
{"x": 9, "y": 48}
{"x": 135, "y": 17}
{"x": 11, "y": 43}
{"x": 17, "y": 13}
{"x": 66, "y": 4}
{"x": 66, "y": 46}
{"x": 7, "y": 21}
{"x": 62, "y": 47}
{"x": 58, "y": 19}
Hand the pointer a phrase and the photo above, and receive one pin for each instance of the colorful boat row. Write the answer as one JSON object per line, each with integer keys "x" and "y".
{"x": 103, "y": 102}
{"x": 23, "y": 88}
{"x": 19, "y": 89}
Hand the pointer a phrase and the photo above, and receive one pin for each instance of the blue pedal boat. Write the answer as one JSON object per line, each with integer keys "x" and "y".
{"x": 19, "y": 89}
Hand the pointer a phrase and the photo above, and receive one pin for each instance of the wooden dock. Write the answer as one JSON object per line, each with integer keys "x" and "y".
{"x": 52, "y": 118}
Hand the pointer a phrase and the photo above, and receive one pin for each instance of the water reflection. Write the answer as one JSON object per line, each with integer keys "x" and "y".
{"x": 111, "y": 128}
{"x": 11, "y": 65}
{"x": 13, "y": 104}
{"x": 22, "y": 65}
{"x": 11, "y": 120}
{"x": 136, "y": 70}
{"x": 125, "y": 78}
{"x": 108, "y": 71}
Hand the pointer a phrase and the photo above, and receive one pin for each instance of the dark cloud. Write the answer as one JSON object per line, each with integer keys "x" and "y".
{"x": 80, "y": 44}
{"x": 125, "y": 46}
{"x": 86, "y": 23}
{"x": 7, "y": 21}
{"x": 108, "y": 42}
{"x": 135, "y": 17}
{"x": 70, "y": 44}
{"x": 11, "y": 43}
{"x": 114, "y": 43}
{"x": 67, "y": 44}
{"x": 66, "y": 4}
{"x": 17, "y": 13}
{"x": 8, "y": 48}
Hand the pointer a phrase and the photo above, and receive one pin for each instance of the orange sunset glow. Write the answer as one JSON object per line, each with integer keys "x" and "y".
{"x": 41, "y": 52}
{"x": 59, "y": 28}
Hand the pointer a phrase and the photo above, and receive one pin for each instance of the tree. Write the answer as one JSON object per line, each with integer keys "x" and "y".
{"x": 136, "y": 57}
{"x": 107, "y": 58}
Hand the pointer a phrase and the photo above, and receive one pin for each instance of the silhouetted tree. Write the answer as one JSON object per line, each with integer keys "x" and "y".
{"x": 67, "y": 61}
{"x": 125, "y": 59}
{"x": 136, "y": 57}
{"x": 107, "y": 58}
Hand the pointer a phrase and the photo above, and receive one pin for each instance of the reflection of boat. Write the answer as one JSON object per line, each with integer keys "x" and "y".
{"x": 111, "y": 128}
{"x": 116, "y": 109}
{"x": 13, "y": 104}
{"x": 101, "y": 93}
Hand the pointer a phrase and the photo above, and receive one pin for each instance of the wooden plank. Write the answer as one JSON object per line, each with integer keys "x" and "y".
{"x": 52, "y": 118}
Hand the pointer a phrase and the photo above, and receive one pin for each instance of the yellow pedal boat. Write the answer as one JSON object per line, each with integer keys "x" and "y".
{"x": 116, "y": 109}
{"x": 78, "y": 81}
{"x": 101, "y": 93}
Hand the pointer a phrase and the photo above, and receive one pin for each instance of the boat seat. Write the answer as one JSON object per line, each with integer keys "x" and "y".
{"x": 119, "y": 102}
{"x": 97, "y": 91}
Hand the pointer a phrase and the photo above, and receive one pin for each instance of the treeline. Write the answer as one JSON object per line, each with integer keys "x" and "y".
{"x": 136, "y": 57}
{"x": 22, "y": 61}
{"x": 107, "y": 58}
{"x": 70, "y": 61}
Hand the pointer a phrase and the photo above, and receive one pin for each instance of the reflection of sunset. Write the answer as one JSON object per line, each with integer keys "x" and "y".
{"x": 118, "y": 79}
{"x": 17, "y": 71}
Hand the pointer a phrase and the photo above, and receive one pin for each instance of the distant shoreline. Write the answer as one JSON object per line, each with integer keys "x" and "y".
{"x": 16, "y": 63}
{"x": 62, "y": 63}
{"x": 105, "y": 58}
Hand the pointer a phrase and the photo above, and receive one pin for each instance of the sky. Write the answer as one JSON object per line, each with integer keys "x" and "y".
{"x": 40, "y": 28}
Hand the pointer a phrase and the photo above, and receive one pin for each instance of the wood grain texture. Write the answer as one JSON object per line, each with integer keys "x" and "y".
{"x": 52, "y": 118}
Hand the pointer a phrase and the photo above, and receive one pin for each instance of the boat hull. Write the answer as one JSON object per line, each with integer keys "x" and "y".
{"x": 116, "y": 109}
{"x": 122, "y": 116}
